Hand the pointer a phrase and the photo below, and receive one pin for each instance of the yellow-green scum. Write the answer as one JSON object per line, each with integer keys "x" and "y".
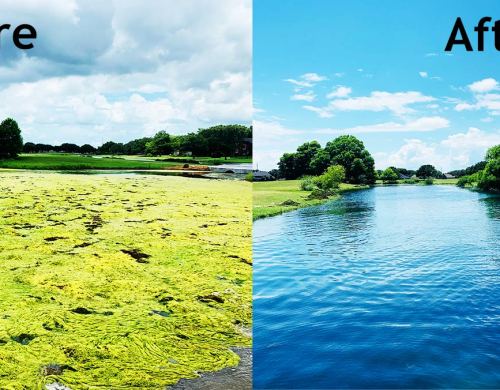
{"x": 121, "y": 281}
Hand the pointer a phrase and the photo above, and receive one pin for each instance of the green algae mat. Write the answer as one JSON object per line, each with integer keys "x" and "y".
{"x": 121, "y": 281}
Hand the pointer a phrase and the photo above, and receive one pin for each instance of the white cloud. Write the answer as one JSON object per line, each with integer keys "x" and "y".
{"x": 272, "y": 130}
{"x": 120, "y": 69}
{"x": 485, "y": 85}
{"x": 423, "y": 74}
{"x": 339, "y": 92}
{"x": 488, "y": 101}
{"x": 271, "y": 139}
{"x": 309, "y": 96}
{"x": 423, "y": 124}
{"x": 322, "y": 112}
{"x": 313, "y": 77}
{"x": 307, "y": 80}
{"x": 455, "y": 152}
{"x": 300, "y": 83}
{"x": 377, "y": 101}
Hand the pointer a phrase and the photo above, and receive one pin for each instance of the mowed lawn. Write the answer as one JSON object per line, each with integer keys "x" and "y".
{"x": 276, "y": 197}
{"x": 121, "y": 281}
{"x": 66, "y": 161}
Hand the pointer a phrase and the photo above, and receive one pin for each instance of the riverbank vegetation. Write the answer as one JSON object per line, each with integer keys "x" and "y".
{"x": 121, "y": 281}
{"x": 276, "y": 197}
{"x": 325, "y": 172}
{"x": 487, "y": 178}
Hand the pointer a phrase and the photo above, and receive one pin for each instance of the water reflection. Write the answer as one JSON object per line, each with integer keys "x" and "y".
{"x": 389, "y": 287}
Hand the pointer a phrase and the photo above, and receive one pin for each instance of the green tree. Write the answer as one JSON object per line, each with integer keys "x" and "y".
{"x": 389, "y": 176}
{"x": 160, "y": 144}
{"x": 11, "y": 141}
{"x": 87, "y": 149}
{"x": 350, "y": 152}
{"x": 493, "y": 153}
{"x": 29, "y": 147}
{"x": 288, "y": 166}
{"x": 426, "y": 171}
{"x": 225, "y": 140}
{"x": 489, "y": 180}
{"x": 320, "y": 162}
{"x": 305, "y": 155}
{"x": 331, "y": 179}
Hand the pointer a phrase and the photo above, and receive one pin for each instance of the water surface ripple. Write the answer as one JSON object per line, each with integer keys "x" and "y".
{"x": 391, "y": 287}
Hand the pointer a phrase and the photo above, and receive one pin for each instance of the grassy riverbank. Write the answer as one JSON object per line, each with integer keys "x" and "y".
{"x": 121, "y": 281}
{"x": 276, "y": 197}
{"x": 73, "y": 162}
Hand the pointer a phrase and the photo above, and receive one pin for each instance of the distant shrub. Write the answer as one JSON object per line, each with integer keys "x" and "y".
{"x": 464, "y": 181}
{"x": 389, "y": 176}
{"x": 331, "y": 179}
{"x": 307, "y": 183}
{"x": 429, "y": 181}
{"x": 410, "y": 181}
{"x": 249, "y": 176}
{"x": 319, "y": 193}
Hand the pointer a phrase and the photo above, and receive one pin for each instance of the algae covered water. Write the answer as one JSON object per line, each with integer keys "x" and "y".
{"x": 121, "y": 281}
{"x": 392, "y": 287}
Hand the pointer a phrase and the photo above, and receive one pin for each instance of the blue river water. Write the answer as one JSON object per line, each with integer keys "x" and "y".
{"x": 391, "y": 287}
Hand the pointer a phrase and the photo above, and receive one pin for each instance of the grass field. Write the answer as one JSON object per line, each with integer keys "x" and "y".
{"x": 268, "y": 197}
{"x": 73, "y": 162}
{"x": 116, "y": 281}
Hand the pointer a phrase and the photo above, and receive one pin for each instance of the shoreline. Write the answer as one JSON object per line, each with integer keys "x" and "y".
{"x": 290, "y": 198}
{"x": 299, "y": 198}
{"x": 236, "y": 377}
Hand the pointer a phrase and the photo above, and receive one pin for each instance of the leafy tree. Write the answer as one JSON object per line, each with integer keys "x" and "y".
{"x": 11, "y": 141}
{"x": 225, "y": 140}
{"x": 304, "y": 156}
{"x": 136, "y": 146}
{"x": 389, "y": 176}
{"x": 426, "y": 171}
{"x": 110, "y": 147}
{"x": 493, "y": 153}
{"x": 160, "y": 144}
{"x": 87, "y": 149}
{"x": 350, "y": 152}
{"x": 320, "y": 162}
{"x": 29, "y": 147}
{"x": 43, "y": 148}
{"x": 288, "y": 166}
{"x": 195, "y": 144}
{"x": 489, "y": 179}
{"x": 69, "y": 148}
{"x": 331, "y": 179}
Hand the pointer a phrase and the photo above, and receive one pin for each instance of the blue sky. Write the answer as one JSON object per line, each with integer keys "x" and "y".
{"x": 378, "y": 70}
{"x": 122, "y": 69}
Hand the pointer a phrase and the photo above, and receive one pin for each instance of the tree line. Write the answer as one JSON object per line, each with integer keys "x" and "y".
{"x": 215, "y": 141}
{"x": 346, "y": 159}
{"x": 311, "y": 159}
